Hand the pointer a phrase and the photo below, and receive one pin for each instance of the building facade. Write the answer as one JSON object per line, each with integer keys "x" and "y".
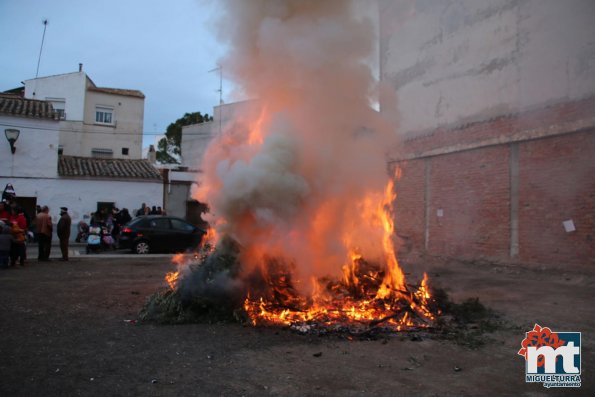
{"x": 40, "y": 176}
{"x": 496, "y": 103}
{"x": 94, "y": 121}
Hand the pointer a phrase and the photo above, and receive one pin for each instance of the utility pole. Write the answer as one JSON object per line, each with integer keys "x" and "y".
{"x": 45, "y": 25}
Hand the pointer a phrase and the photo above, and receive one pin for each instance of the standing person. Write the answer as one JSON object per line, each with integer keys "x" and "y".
{"x": 64, "y": 231}
{"x": 18, "y": 249}
{"x": 5, "y": 241}
{"x": 44, "y": 234}
{"x": 125, "y": 216}
{"x": 4, "y": 214}
{"x": 8, "y": 194}
{"x": 117, "y": 224}
{"x": 141, "y": 210}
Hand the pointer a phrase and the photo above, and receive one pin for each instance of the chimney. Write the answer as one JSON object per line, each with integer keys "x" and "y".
{"x": 152, "y": 155}
{"x": 80, "y": 67}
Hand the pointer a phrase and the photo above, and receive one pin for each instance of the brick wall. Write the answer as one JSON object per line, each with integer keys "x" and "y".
{"x": 557, "y": 183}
{"x": 471, "y": 189}
{"x": 410, "y": 211}
{"x": 464, "y": 194}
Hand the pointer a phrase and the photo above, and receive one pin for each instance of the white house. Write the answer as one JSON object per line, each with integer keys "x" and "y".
{"x": 83, "y": 184}
{"x": 94, "y": 121}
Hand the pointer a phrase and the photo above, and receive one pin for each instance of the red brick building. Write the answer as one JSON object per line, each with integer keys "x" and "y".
{"x": 498, "y": 153}
{"x": 501, "y": 189}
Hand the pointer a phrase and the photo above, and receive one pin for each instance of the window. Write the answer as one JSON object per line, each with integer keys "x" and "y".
{"x": 104, "y": 115}
{"x": 60, "y": 150}
{"x": 59, "y": 104}
{"x": 125, "y": 151}
{"x": 102, "y": 153}
{"x": 179, "y": 225}
{"x": 159, "y": 223}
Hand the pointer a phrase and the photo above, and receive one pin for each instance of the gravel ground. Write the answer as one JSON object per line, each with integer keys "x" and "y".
{"x": 66, "y": 332}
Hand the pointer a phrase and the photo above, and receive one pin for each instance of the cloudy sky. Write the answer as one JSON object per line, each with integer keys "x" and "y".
{"x": 163, "y": 48}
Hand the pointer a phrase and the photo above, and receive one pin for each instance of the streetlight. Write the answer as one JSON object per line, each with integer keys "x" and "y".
{"x": 11, "y": 136}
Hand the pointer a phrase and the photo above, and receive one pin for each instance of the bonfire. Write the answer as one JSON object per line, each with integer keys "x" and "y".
{"x": 303, "y": 232}
{"x": 211, "y": 284}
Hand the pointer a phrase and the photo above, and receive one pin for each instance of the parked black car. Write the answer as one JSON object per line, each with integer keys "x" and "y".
{"x": 156, "y": 233}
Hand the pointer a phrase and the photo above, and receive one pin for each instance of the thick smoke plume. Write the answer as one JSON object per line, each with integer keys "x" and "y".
{"x": 296, "y": 175}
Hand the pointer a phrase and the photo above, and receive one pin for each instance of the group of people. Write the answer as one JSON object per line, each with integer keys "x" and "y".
{"x": 112, "y": 221}
{"x": 17, "y": 228}
{"x": 13, "y": 234}
{"x": 146, "y": 210}
{"x": 14, "y": 229}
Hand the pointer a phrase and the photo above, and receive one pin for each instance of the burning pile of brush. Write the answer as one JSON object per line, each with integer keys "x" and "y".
{"x": 213, "y": 285}
{"x": 297, "y": 180}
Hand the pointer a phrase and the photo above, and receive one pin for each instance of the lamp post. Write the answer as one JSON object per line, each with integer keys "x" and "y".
{"x": 11, "y": 136}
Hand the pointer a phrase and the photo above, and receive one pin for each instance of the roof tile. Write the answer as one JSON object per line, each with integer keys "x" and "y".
{"x": 14, "y": 105}
{"x": 117, "y": 91}
{"x": 73, "y": 166}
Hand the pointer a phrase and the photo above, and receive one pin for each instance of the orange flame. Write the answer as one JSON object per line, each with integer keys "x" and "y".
{"x": 366, "y": 293}
{"x": 172, "y": 279}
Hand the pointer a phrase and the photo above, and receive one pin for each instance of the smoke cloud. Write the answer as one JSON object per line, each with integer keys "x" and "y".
{"x": 295, "y": 173}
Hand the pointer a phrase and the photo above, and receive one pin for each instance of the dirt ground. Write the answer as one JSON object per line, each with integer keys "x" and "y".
{"x": 64, "y": 333}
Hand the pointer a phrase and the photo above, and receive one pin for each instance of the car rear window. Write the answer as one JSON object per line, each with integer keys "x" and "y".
{"x": 181, "y": 225}
{"x": 159, "y": 223}
{"x": 141, "y": 222}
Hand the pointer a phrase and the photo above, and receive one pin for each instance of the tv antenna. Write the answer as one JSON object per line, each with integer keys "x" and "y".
{"x": 220, "y": 90}
{"x": 45, "y": 25}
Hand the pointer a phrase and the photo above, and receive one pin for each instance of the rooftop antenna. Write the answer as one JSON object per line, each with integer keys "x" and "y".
{"x": 220, "y": 90}
{"x": 45, "y": 25}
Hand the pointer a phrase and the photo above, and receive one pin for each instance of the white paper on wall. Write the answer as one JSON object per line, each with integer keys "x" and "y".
{"x": 569, "y": 226}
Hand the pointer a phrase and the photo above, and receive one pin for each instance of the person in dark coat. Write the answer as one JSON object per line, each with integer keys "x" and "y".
{"x": 64, "y": 231}
{"x": 8, "y": 194}
{"x": 141, "y": 210}
{"x": 5, "y": 243}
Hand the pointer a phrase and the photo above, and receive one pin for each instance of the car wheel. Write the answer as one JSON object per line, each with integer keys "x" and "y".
{"x": 142, "y": 247}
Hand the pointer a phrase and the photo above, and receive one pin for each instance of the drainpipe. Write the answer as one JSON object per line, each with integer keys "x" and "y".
{"x": 165, "y": 174}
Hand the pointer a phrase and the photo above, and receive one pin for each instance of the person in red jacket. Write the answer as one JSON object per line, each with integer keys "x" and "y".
{"x": 44, "y": 233}
{"x": 18, "y": 216}
{"x": 18, "y": 249}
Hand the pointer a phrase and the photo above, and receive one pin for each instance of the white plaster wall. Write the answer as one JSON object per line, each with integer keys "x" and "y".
{"x": 197, "y": 137}
{"x": 466, "y": 60}
{"x": 70, "y": 86}
{"x": 36, "y": 153}
{"x": 195, "y": 140}
{"x": 125, "y": 133}
{"x": 79, "y": 133}
{"x": 81, "y": 196}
